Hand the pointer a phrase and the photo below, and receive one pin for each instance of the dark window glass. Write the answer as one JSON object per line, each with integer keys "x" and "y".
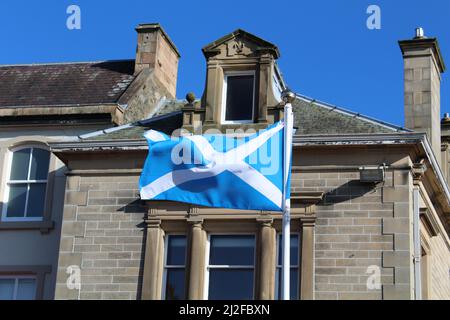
{"x": 176, "y": 252}
{"x": 17, "y": 289}
{"x": 175, "y": 284}
{"x": 20, "y": 164}
{"x": 175, "y": 267}
{"x": 232, "y": 250}
{"x": 16, "y": 200}
{"x": 231, "y": 284}
{"x": 239, "y": 99}
{"x": 231, "y": 267}
{"x": 36, "y": 200}
{"x": 7, "y": 289}
{"x": 26, "y": 289}
{"x": 39, "y": 164}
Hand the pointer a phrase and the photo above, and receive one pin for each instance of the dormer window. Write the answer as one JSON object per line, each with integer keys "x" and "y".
{"x": 238, "y": 97}
{"x": 238, "y": 88}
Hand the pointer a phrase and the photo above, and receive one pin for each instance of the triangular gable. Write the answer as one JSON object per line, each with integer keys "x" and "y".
{"x": 240, "y": 42}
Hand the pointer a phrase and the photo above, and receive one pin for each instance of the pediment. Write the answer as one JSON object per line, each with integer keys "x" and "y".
{"x": 240, "y": 44}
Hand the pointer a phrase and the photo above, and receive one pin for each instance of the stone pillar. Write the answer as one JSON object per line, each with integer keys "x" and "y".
{"x": 267, "y": 255}
{"x": 213, "y": 94}
{"x": 307, "y": 259}
{"x": 153, "y": 261}
{"x": 196, "y": 260}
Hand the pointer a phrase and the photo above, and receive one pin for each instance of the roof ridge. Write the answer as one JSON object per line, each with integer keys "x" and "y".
{"x": 358, "y": 115}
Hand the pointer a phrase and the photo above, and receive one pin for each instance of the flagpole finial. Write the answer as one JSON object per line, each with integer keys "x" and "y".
{"x": 288, "y": 96}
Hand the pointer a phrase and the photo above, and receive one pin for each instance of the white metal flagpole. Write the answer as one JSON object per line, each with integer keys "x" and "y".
{"x": 288, "y": 97}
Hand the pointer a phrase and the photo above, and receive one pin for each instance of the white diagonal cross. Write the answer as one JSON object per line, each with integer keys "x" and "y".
{"x": 232, "y": 161}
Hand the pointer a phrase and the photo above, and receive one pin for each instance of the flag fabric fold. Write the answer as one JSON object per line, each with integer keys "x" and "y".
{"x": 216, "y": 170}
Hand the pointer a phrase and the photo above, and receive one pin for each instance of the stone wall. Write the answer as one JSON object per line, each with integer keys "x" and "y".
{"x": 439, "y": 268}
{"x": 102, "y": 233}
{"x": 355, "y": 230}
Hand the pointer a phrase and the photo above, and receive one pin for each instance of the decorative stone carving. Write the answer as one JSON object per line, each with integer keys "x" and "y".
{"x": 418, "y": 170}
{"x": 237, "y": 47}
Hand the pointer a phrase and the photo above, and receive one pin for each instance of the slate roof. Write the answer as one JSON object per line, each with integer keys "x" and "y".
{"x": 63, "y": 84}
{"x": 311, "y": 118}
{"x": 316, "y": 117}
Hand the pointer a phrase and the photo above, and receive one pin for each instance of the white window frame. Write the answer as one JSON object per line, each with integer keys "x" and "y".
{"x": 224, "y": 96}
{"x": 208, "y": 266}
{"x": 279, "y": 266}
{"x": 9, "y": 159}
{"x": 16, "y": 279}
{"x": 166, "y": 266}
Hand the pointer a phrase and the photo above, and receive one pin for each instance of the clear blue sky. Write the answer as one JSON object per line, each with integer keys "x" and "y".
{"x": 327, "y": 52}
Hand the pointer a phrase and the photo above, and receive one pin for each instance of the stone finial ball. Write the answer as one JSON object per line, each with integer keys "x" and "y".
{"x": 288, "y": 96}
{"x": 190, "y": 97}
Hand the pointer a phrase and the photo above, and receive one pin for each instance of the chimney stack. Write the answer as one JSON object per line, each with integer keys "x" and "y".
{"x": 156, "y": 51}
{"x": 423, "y": 65}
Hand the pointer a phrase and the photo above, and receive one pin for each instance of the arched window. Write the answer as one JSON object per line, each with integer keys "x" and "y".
{"x": 26, "y": 185}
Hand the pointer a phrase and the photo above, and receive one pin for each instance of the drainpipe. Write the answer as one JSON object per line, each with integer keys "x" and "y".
{"x": 417, "y": 246}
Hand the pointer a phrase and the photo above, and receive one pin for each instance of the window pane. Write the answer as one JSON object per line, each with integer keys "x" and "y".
{"x": 39, "y": 164}
{"x": 232, "y": 250}
{"x": 293, "y": 284}
{"x": 239, "y": 105}
{"x": 294, "y": 249}
{"x": 175, "y": 284}
{"x": 7, "y": 289}
{"x": 16, "y": 200}
{"x": 36, "y": 200}
{"x": 176, "y": 251}
{"x": 19, "y": 165}
{"x": 230, "y": 284}
{"x": 26, "y": 289}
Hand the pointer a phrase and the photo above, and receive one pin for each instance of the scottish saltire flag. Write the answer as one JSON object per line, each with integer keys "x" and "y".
{"x": 216, "y": 170}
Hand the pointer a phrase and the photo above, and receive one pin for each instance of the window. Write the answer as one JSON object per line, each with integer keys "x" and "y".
{"x": 230, "y": 268}
{"x": 238, "y": 97}
{"x": 17, "y": 288}
{"x": 174, "y": 267}
{"x": 25, "y": 195}
{"x": 294, "y": 267}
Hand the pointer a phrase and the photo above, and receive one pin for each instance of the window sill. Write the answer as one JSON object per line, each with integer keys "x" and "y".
{"x": 43, "y": 226}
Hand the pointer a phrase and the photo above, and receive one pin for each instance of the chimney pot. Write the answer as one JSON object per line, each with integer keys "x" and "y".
{"x": 420, "y": 34}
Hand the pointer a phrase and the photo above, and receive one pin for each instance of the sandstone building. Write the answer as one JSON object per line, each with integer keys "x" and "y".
{"x": 369, "y": 198}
